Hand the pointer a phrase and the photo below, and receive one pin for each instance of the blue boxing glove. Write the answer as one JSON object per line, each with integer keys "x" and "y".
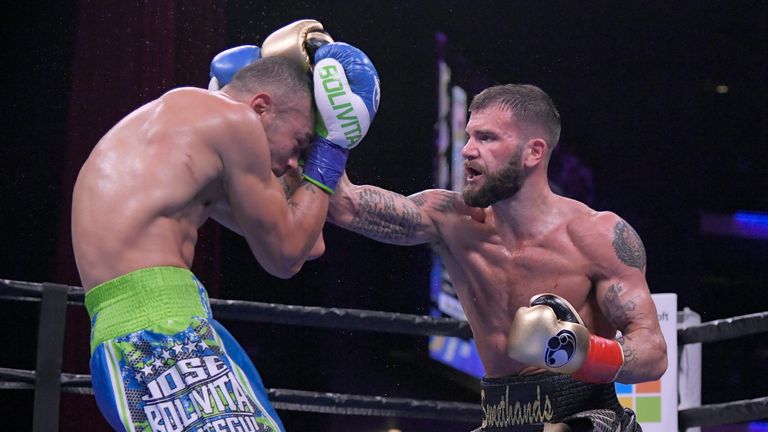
{"x": 226, "y": 64}
{"x": 346, "y": 99}
{"x": 294, "y": 41}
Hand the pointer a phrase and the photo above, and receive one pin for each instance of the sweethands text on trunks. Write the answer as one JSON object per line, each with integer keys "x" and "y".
{"x": 198, "y": 390}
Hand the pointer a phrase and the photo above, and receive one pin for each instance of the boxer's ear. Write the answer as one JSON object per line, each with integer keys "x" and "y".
{"x": 535, "y": 152}
{"x": 261, "y": 102}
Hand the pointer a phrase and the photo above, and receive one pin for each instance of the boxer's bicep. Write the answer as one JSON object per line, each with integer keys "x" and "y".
{"x": 622, "y": 290}
{"x": 627, "y": 305}
{"x": 625, "y": 300}
{"x": 257, "y": 201}
{"x": 261, "y": 212}
{"x": 247, "y": 179}
{"x": 222, "y": 213}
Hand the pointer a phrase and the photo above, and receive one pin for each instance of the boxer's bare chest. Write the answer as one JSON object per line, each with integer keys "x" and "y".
{"x": 493, "y": 277}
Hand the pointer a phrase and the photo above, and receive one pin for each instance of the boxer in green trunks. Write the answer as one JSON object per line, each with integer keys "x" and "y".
{"x": 159, "y": 361}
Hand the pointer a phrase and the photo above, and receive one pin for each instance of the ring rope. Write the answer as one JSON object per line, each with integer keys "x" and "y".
{"x": 337, "y": 318}
{"x": 340, "y": 318}
{"x": 724, "y": 413}
{"x": 295, "y": 400}
{"x": 358, "y": 319}
{"x": 347, "y": 404}
{"x": 376, "y": 405}
{"x": 722, "y": 329}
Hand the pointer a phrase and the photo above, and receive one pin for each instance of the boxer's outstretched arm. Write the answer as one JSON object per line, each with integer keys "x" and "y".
{"x": 625, "y": 300}
{"x": 387, "y": 216}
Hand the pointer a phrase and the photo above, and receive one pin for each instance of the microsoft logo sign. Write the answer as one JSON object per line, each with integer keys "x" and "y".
{"x": 643, "y": 398}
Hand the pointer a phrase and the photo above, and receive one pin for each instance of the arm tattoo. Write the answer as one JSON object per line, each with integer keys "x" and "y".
{"x": 311, "y": 187}
{"x": 614, "y": 310}
{"x": 617, "y": 314}
{"x": 628, "y": 246}
{"x": 377, "y": 216}
{"x": 419, "y": 199}
{"x": 439, "y": 200}
{"x": 630, "y": 354}
{"x": 445, "y": 201}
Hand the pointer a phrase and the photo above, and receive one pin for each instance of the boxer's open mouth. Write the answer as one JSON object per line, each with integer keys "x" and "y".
{"x": 472, "y": 173}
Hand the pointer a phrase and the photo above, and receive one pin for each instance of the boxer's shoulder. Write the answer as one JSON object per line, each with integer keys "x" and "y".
{"x": 193, "y": 100}
{"x": 436, "y": 200}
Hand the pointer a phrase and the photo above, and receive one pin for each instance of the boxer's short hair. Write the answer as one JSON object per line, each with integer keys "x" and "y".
{"x": 529, "y": 104}
{"x": 276, "y": 75}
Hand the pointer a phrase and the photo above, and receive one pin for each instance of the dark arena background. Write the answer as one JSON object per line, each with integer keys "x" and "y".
{"x": 664, "y": 117}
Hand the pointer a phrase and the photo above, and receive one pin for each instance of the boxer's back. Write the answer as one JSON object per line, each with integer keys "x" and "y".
{"x": 143, "y": 192}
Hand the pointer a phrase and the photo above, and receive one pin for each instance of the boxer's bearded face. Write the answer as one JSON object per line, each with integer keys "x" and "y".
{"x": 498, "y": 185}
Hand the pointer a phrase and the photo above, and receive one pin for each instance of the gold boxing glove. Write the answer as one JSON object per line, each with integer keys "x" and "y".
{"x": 296, "y": 41}
{"x": 551, "y": 335}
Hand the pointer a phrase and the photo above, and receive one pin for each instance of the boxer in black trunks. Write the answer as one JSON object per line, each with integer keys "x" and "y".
{"x": 505, "y": 240}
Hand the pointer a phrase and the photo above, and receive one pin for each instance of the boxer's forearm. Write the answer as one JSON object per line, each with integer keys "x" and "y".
{"x": 645, "y": 356}
{"x": 379, "y": 214}
{"x": 308, "y": 208}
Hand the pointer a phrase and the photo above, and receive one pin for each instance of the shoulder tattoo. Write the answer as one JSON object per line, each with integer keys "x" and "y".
{"x": 628, "y": 246}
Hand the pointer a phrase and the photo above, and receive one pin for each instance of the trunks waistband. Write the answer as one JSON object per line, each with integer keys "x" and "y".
{"x": 542, "y": 398}
{"x": 139, "y": 299}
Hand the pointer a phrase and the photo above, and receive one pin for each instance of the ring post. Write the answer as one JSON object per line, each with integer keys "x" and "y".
{"x": 50, "y": 343}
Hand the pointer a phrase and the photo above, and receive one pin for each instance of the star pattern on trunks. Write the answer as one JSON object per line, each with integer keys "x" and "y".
{"x": 191, "y": 346}
{"x": 177, "y": 349}
{"x": 166, "y": 355}
{"x": 148, "y": 369}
